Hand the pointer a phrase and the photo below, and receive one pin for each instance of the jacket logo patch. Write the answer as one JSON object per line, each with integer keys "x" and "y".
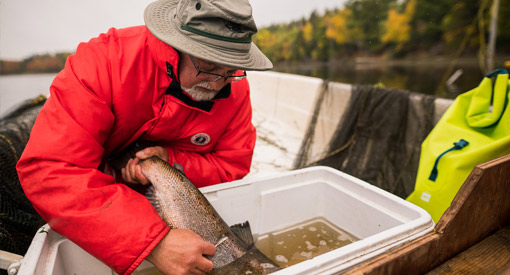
{"x": 200, "y": 139}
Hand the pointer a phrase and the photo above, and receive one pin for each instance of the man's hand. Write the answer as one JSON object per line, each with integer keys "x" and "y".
{"x": 182, "y": 251}
{"x": 132, "y": 173}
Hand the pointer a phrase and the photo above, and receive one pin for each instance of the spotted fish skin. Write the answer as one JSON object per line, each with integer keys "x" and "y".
{"x": 181, "y": 205}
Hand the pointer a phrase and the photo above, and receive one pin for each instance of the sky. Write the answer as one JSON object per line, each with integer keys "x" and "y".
{"x": 29, "y": 27}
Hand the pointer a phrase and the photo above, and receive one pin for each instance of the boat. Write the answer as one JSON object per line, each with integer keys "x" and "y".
{"x": 298, "y": 119}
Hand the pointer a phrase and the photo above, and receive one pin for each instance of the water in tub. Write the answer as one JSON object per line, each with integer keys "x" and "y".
{"x": 294, "y": 244}
{"x": 303, "y": 241}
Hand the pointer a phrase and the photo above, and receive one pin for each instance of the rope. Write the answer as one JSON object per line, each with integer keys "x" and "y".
{"x": 351, "y": 138}
{"x": 304, "y": 150}
{"x": 338, "y": 150}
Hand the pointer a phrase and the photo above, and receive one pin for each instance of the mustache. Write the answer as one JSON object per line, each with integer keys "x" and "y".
{"x": 203, "y": 84}
{"x": 198, "y": 95}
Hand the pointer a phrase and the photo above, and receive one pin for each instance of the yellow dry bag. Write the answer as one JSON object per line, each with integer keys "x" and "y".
{"x": 474, "y": 129}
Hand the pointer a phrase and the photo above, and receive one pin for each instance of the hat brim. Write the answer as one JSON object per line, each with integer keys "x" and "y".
{"x": 157, "y": 19}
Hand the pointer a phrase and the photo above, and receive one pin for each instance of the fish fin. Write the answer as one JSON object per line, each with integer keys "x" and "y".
{"x": 179, "y": 168}
{"x": 150, "y": 194}
{"x": 243, "y": 231}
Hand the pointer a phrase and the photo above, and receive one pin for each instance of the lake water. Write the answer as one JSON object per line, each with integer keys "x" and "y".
{"x": 419, "y": 77}
{"x": 423, "y": 76}
{"x": 14, "y": 89}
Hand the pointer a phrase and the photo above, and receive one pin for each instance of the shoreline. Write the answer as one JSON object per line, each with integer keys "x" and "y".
{"x": 382, "y": 61}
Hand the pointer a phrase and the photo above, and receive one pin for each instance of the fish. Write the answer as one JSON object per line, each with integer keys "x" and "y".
{"x": 183, "y": 206}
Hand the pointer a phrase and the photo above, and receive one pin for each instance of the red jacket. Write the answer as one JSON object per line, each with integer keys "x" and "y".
{"x": 116, "y": 90}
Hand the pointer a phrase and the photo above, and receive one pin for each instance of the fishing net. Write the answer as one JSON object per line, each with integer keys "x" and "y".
{"x": 375, "y": 136}
{"x": 18, "y": 219}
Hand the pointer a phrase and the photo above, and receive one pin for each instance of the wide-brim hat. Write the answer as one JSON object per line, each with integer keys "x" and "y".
{"x": 217, "y": 31}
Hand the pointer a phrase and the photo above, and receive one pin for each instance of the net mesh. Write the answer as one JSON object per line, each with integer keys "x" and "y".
{"x": 377, "y": 139}
{"x": 18, "y": 219}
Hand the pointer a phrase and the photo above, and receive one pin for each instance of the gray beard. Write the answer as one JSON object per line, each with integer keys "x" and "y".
{"x": 198, "y": 95}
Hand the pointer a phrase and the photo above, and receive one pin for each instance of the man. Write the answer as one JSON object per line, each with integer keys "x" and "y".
{"x": 178, "y": 82}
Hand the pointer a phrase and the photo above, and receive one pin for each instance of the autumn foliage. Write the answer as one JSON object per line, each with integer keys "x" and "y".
{"x": 390, "y": 28}
{"x": 394, "y": 28}
{"x": 35, "y": 64}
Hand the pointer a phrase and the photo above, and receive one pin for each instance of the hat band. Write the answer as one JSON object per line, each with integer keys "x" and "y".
{"x": 215, "y": 36}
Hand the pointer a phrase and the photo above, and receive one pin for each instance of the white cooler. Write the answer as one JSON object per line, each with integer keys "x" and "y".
{"x": 381, "y": 221}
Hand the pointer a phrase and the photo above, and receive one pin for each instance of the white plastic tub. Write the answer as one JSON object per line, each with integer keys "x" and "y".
{"x": 379, "y": 220}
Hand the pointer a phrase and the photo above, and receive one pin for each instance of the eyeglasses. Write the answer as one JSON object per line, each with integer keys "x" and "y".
{"x": 235, "y": 76}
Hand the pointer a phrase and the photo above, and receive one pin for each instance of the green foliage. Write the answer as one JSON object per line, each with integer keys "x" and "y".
{"x": 458, "y": 23}
{"x": 426, "y": 23}
{"x": 368, "y": 17}
{"x": 391, "y": 27}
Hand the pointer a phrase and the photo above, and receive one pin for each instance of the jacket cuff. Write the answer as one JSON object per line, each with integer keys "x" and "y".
{"x": 147, "y": 250}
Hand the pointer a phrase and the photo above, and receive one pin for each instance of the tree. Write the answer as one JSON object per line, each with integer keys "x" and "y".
{"x": 503, "y": 39}
{"x": 367, "y": 18}
{"x": 337, "y": 27}
{"x": 458, "y": 23}
{"x": 426, "y": 31}
{"x": 397, "y": 29}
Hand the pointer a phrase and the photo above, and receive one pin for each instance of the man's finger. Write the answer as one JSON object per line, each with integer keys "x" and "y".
{"x": 127, "y": 173}
{"x": 208, "y": 249}
{"x": 124, "y": 176}
{"x": 153, "y": 151}
{"x": 163, "y": 153}
{"x": 139, "y": 175}
{"x": 142, "y": 154}
{"x": 205, "y": 265}
{"x": 146, "y": 153}
{"x": 197, "y": 271}
{"x": 132, "y": 170}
